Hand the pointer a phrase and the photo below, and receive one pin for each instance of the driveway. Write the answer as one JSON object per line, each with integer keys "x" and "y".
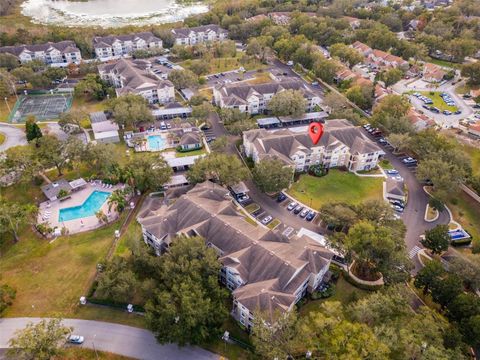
{"x": 14, "y": 136}
{"x": 119, "y": 339}
{"x": 414, "y": 213}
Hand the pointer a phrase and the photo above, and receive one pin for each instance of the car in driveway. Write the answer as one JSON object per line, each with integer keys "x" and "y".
{"x": 281, "y": 197}
{"x": 75, "y": 339}
{"x": 297, "y": 210}
{"x": 397, "y": 208}
{"x": 392, "y": 172}
{"x": 310, "y": 215}
{"x": 267, "y": 220}
{"x": 409, "y": 161}
{"x": 292, "y": 206}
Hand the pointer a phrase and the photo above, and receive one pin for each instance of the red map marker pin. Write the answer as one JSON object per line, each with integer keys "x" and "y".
{"x": 315, "y": 130}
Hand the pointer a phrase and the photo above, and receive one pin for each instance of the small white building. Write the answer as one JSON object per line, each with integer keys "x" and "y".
{"x": 104, "y": 130}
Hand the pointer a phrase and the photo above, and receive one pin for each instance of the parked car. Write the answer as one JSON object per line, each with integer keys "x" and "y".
{"x": 409, "y": 161}
{"x": 292, "y": 206}
{"x": 75, "y": 339}
{"x": 458, "y": 112}
{"x": 434, "y": 109}
{"x": 290, "y": 63}
{"x": 382, "y": 141}
{"x": 366, "y": 126}
{"x": 281, "y": 197}
{"x": 304, "y": 213}
{"x": 242, "y": 198}
{"x": 315, "y": 83}
{"x": 447, "y": 112}
{"x": 392, "y": 172}
{"x": 266, "y": 220}
{"x": 297, "y": 210}
{"x": 310, "y": 215}
{"x": 397, "y": 202}
{"x": 397, "y": 208}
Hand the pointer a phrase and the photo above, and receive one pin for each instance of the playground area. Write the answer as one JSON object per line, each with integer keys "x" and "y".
{"x": 43, "y": 107}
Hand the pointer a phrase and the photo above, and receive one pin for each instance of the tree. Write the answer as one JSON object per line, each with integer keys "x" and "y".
{"x": 362, "y": 96}
{"x": 148, "y": 173}
{"x": 390, "y": 114}
{"x": 260, "y": 47}
{"x": 399, "y": 142}
{"x": 272, "y": 175}
{"x": 437, "y": 239}
{"x": 21, "y": 162}
{"x": 225, "y": 169}
{"x": 472, "y": 71}
{"x": 200, "y": 68}
{"x": 182, "y": 79}
{"x": 8, "y": 61}
{"x": 201, "y": 111}
{"x": 287, "y": 103}
{"x": 220, "y": 144}
{"x": 117, "y": 282}
{"x": 52, "y": 152}
{"x": 329, "y": 335}
{"x": 7, "y": 84}
{"x": 72, "y": 119}
{"x": 335, "y": 101}
{"x": 325, "y": 70}
{"x": 376, "y": 250}
{"x": 338, "y": 215}
{"x": 464, "y": 306}
{"x": 129, "y": 110}
{"x": 468, "y": 270}
{"x": 346, "y": 54}
{"x": 275, "y": 337}
{"x": 23, "y": 73}
{"x": 100, "y": 158}
{"x": 41, "y": 341}
{"x": 189, "y": 304}
{"x": 429, "y": 275}
{"x": 13, "y": 215}
{"x": 391, "y": 76}
{"x": 118, "y": 199}
{"x": 7, "y": 295}
{"x": 91, "y": 86}
{"x": 32, "y": 129}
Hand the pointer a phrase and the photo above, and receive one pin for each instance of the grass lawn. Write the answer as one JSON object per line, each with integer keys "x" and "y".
{"x": 431, "y": 213}
{"x": 252, "y": 207}
{"x": 2, "y": 138}
{"x": 260, "y": 78}
{"x": 386, "y": 165}
{"x": 50, "y": 278}
{"x": 444, "y": 63}
{"x": 190, "y": 153}
{"x": 466, "y": 211}
{"x": 76, "y": 353}
{"x": 4, "y": 109}
{"x": 344, "y": 292}
{"x": 274, "y": 224}
{"x": 474, "y": 154}
{"x": 438, "y": 101}
{"x": 80, "y": 103}
{"x": 206, "y": 93}
{"x": 336, "y": 186}
{"x": 250, "y": 220}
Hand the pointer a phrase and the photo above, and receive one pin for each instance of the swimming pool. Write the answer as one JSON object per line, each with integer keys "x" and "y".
{"x": 90, "y": 206}
{"x": 156, "y": 142}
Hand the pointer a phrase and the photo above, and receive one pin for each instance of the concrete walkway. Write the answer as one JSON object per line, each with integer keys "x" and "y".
{"x": 119, "y": 339}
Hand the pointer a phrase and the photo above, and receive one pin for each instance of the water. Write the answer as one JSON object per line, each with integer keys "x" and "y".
{"x": 91, "y": 205}
{"x": 156, "y": 143}
{"x": 109, "y": 13}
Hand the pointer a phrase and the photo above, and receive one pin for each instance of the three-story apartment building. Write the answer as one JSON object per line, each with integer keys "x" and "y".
{"x": 58, "y": 54}
{"x": 199, "y": 34}
{"x": 116, "y": 46}
{"x": 265, "y": 271}
{"x": 254, "y": 99}
{"x": 342, "y": 145}
{"x": 134, "y": 76}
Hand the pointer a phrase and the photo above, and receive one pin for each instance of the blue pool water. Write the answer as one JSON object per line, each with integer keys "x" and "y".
{"x": 156, "y": 142}
{"x": 91, "y": 205}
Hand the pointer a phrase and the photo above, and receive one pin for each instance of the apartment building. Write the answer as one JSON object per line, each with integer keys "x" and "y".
{"x": 116, "y": 46}
{"x": 199, "y": 34}
{"x": 381, "y": 59}
{"x": 58, "y": 54}
{"x": 265, "y": 271}
{"x": 254, "y": 99}
{"x": 342, "y": 145}
{"x": 433, "y": 73}
{"x": 134, "y": 76}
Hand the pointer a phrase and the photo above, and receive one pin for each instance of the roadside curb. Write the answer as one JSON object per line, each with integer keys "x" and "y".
{"x": 435, "y": 218}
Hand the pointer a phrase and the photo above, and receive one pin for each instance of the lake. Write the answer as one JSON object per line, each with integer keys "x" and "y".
{"x": 109, "y": 13}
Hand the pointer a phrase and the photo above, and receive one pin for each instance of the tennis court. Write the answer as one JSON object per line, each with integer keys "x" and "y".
{"x": 43, "y": 107}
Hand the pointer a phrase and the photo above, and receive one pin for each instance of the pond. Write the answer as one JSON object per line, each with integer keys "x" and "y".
{"x": 110, "y": 13}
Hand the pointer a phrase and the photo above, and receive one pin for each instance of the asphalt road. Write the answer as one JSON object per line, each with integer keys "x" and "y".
{"x": 119, "y": 339}
{"x": 15, "y": 136}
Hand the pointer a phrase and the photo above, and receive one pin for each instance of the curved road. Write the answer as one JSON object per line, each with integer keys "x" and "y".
{"x": 15, "y": 136}
{"x": 119, "y": 339}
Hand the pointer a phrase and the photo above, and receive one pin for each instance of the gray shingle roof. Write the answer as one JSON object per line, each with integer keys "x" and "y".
{"x": 66, "y": 46}
{"x": 105, "y": 41}
{"x": 184, "y": 32}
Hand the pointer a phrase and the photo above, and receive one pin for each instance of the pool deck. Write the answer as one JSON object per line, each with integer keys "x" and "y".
{"x": 49, "y": 210}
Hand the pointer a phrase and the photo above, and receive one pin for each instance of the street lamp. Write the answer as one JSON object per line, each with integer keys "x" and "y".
{"x": 8, "y": 106}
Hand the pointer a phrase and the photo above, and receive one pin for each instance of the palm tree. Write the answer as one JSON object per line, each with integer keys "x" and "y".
{"x": 102, "y": 218}
{"x": 118, "y": 199}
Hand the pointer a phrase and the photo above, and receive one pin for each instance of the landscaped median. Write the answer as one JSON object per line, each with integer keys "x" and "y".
{"x": 336, "y": 186}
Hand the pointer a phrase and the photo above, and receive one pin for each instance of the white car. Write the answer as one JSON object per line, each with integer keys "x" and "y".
{"x": 292, "y": 206}
{"x": 290, "y": 63}
{"x": 75, "y": 339}
{"x": 266, "y": 220}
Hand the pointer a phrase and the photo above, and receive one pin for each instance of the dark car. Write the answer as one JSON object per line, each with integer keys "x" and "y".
{"x": 297, "y": 210}
{"x": 310, "y": 215}
{"x": 281, "y": 197}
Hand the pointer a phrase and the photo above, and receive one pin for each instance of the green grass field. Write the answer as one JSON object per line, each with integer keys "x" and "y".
{"x": 438, "y": 101}
{"x": 218, "y": 65}
{"x": 338, "y": 185}
{"x": 466, "y": 211}
{"x": 2, "y": 138}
